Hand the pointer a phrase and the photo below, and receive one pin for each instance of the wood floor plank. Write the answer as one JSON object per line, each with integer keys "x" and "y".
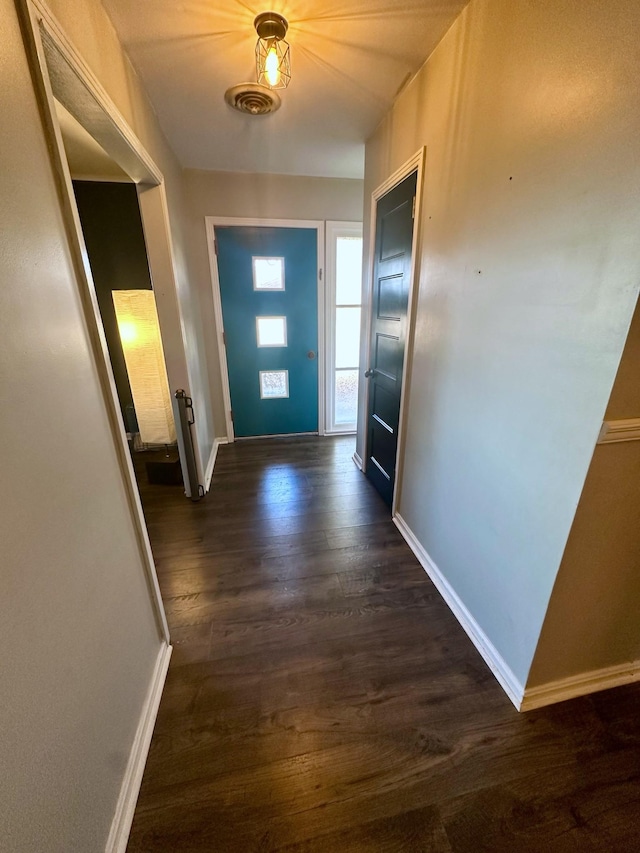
{"x": 321, "y": 696}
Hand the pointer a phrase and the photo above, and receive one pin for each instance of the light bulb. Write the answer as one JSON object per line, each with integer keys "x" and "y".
{"x": 128, "y": 331}
{"x": 271, "y": 64}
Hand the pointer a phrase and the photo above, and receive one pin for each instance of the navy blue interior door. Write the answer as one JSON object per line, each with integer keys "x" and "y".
{"x": 391, "y": 279}
{"x": 269, "y": 292}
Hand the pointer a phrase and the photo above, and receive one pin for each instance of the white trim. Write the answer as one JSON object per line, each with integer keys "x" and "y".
{"x": 83, "y": 93}
{"x": 106, "y": 124}
{"x": 212, "y": 461}
{"x": 358, "y": 461}
{"x": 580, "y": 685}
{"x": 217, "y": 312}
{"x": 103, "y": 179}
{"x": 241, "y": 222}
{"x": 126, "y": 805}
{"x": 154, "y": 212}
{"x": 413, "y": 164}
{"x": 494, "y": 660}
{"x": 621, "y": 430}
{"x": 335, "y": 230}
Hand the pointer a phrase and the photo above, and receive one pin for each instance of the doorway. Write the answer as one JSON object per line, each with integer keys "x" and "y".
{"x": 268, "y": 295}
{"x": 395, "y": 209}
{"x": 268, "y": 291}
{"x": 60, "y": 74}
{"x": 109, "y": 215}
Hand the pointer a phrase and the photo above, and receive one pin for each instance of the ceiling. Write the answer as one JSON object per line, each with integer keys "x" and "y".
{"x": 349, "y": 59}
{"x": 86, "y": 158}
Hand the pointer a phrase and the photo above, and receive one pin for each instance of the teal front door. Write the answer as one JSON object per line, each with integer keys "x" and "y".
{"x": 269, "y": 292}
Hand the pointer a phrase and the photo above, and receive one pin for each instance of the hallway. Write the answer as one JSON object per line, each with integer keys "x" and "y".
{"x": 322, "y": 697}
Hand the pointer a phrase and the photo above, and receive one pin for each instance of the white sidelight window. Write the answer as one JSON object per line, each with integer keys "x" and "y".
{"x": 344, "y": 289}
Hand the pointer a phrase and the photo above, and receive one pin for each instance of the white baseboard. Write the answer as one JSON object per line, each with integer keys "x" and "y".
{"x": 494, "y": 660}
{"x": 580, "y": 685}
{"x": 126, "y": 805}
{"x": 208, "y": 474}
{"x": 358, "y": 460}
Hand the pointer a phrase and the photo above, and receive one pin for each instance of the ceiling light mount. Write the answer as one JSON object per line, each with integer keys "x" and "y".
{"x": 253, "y": 99}
{"x": 271, "y": 25}
{"x": 273, "y": 62}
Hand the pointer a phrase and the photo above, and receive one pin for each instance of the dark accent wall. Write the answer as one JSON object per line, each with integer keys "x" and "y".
{"x": 112, "y": 228}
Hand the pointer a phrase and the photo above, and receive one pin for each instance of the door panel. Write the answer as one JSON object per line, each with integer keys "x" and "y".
{"x": 390, "y": 297}
{"x": 392, "y": 274}
{"x": 259, "y": 376}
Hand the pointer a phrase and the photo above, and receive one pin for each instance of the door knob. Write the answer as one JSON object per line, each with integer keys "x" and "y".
{"x": 311, "y": 354}
{"x": 369, "y": 373}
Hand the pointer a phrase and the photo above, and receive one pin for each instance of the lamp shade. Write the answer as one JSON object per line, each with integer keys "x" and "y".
{"x": 142, "y": 347}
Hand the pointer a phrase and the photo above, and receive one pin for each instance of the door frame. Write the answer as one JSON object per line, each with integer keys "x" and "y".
{"x": 211, "y": 222}
{"x": 413, "y": 164}
{"x": 82, "y": 94}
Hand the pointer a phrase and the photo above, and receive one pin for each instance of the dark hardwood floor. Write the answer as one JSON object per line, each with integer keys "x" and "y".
{"x": 322, "y": 698}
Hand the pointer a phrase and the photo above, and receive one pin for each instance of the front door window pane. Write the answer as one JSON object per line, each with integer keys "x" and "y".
{"x": 274, "y": 384}
{"x": 271, "y": 331}
{"x": 268, "y": 273}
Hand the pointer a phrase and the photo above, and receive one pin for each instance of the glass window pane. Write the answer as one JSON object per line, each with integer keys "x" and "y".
{"x": 271, "y": 331}
{"x": 268, "y": 273}
{"x": 347, "y": 337}
{"x": 348, "y": 270}
{"x": 274, "y": 383}
{"x": 346, "y": 396}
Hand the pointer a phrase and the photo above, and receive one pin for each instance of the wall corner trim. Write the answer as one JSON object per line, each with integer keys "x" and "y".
{"x": 212, "y": 461}
{"x": 613, "y": 432}
{"x": 580, "y": 685}
{"x": 358, "y": 461}
{"x": 494, "y": 660}
{"x": 126, "y": 805}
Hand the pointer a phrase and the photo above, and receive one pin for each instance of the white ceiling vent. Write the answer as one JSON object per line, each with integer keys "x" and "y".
{"x": 252, "y": 98}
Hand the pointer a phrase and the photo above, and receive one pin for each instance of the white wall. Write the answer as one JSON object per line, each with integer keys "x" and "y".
{"x": 77, "y": 630}
{"x": 530, "y": 265}
{"x": 258, "y": 196}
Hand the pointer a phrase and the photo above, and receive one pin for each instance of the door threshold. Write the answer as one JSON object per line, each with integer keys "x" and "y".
{"x": 274, "y": 435}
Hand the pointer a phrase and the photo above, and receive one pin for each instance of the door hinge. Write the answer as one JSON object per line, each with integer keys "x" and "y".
{"x": 231, "y": 413}
{"x": 320, "y": 273}
{"x": 224, "y": 338}
{"x": 215, "y": 246}
{"x": 413, "y": 209}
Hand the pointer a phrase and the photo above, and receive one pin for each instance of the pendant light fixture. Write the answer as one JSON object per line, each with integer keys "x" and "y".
{"x": 273, "y": 63}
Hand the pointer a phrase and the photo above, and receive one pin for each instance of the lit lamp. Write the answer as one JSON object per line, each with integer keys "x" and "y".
{"x": 142, "y": 346}
{"x": 273, "y": 64}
